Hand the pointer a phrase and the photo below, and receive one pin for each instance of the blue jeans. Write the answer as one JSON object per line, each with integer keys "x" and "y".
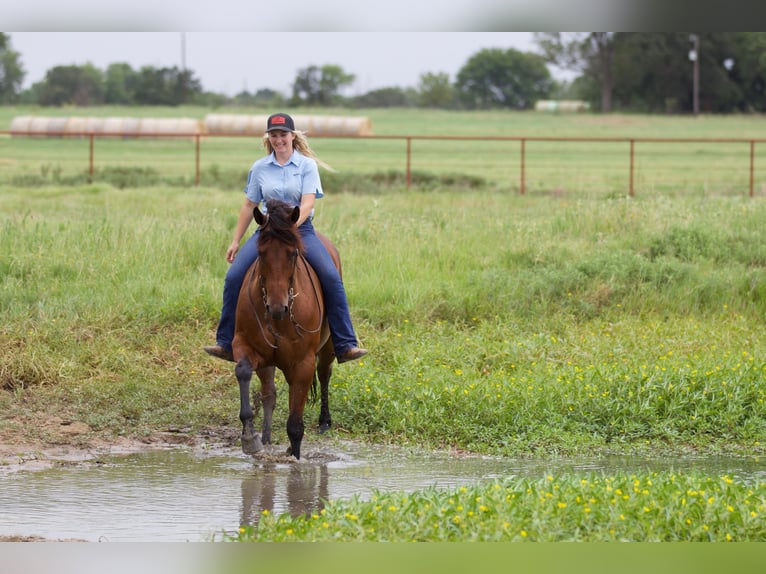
{"x": 336, "y": 303}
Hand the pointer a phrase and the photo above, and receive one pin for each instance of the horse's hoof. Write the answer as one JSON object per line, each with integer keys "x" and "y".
{"x": 252, "y": 445}
{"x": 324, "y": 427}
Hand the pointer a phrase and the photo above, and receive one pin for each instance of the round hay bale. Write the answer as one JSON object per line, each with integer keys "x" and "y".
{"x": 169, "y": 126}
{"x": 74, "y": 126}
{"x": 42, "y": 126}
{"x": 81, "y": 126}
{"x": 56, "y": 125}
{"x": 93, "y": 125}
{"x": 114, "y": 127}
{"x": 77, "y": 126}
{"x": 567, "y": 106}
{"x": 311, "y": 124}
{"x": 234, "y": 124}
{"x": 334, "y": 125}
{"x": 20, "y": 125}
{"x": 130, "y": 127}
{"x": 148, "y": 126}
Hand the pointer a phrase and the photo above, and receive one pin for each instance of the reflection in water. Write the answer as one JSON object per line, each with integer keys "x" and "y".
{"x": 186, "y": 495}
{"x": 306, "y": 490}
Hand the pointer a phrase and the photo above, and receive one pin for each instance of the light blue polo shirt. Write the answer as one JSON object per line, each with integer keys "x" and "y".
{"x": 290, "y": 182}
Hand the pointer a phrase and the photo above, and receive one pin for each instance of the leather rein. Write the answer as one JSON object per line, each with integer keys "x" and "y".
{"x": 291, "y": 296}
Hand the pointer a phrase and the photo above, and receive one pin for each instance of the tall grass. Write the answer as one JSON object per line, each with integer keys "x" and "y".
{"x": 645, "y": 507}
{"x": 498, "y": 323}
{"x": 547, "y": 324}
{"x": 458, "y": 256}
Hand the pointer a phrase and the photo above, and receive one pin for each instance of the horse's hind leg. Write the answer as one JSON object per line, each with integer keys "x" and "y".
{"x": 251, "y": 442}
{"x": 268, "y": 400}
{"x": 324, "y": 372}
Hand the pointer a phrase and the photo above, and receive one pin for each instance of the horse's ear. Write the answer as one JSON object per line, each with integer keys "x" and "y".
{"x": 259, "y": 216}
{"x": 295, "y": 214}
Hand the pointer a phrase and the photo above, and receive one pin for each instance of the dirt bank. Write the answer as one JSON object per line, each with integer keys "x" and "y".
{"x": 72, "y": 442}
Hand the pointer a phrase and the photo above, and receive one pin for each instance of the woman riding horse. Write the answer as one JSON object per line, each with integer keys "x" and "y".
{"x": 289, "y": 172}
{"x": 281, "y": 323}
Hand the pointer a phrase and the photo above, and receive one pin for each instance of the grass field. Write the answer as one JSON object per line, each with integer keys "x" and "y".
{"x": 536, "y": 325}
{"x": 540, "y": 325}
{"x": 710, "y": 167}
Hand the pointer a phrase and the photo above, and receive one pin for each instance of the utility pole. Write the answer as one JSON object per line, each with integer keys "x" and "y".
{"x": 694, "y": 55}
{"x": 184, "y": 84}
{"x": 183, "y": 51}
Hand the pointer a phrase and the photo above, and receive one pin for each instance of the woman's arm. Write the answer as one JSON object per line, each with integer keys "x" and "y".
{"x": 307, "y": 204}
{"x": 245, "y": 217}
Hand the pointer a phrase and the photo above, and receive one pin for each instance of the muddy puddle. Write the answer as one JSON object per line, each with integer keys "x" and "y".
{"x": 192, "y": 494}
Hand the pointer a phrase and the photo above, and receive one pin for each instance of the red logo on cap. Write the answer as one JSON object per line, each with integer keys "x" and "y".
{"x": 278, "y": 120}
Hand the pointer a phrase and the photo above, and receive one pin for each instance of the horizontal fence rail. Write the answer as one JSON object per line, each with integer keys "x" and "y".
{"x": 619, "y": 160}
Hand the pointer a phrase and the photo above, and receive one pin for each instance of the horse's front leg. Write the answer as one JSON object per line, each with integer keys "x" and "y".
{"x": 299, "y": 379}
{"x": 268, "y": 400}
{"x": 251, "y": 442}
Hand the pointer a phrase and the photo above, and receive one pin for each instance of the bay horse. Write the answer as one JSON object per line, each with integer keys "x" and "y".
{"x": 281, "y": 323}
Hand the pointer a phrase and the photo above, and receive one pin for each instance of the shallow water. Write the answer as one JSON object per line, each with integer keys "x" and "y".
{"x": 196, "y": 495}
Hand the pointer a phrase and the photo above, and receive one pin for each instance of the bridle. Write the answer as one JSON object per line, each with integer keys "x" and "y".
{"x": 291, "y": 296}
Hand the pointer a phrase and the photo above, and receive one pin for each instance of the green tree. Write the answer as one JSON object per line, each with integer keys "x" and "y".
{"x": 320, "y": 86}
{"x": 121, "y": 81}
{"x": 495, "y": 78}
{"x": 31, "y": 96}
{"x": 747, "y": 67}
{"x": 11, "y": 71}
{"x": 185, "y": 86}
{"x": 653, "y": 72}
{"x": 391, "y": 97}
{"x": 166, "y": 87}
{"x": 589, "y": 53}
{"x": 152, "y": 87}
{"x": 72, "y": 85}
{"x": 267, "y": 97}
{"x": 263, "y": 98}
{"x": 436, "y": 91}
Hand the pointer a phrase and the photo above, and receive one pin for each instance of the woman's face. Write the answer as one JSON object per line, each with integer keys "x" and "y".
{"x": 281, "y": 140}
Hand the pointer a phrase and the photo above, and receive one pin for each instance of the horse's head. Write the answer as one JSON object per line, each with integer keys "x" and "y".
{"x": 279, "y": 245}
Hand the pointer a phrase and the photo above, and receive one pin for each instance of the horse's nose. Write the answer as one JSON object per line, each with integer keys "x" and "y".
{"x": 277, "y": 312}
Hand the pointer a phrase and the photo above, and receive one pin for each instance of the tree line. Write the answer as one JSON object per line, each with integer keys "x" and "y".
{"x": 666, "y": 72}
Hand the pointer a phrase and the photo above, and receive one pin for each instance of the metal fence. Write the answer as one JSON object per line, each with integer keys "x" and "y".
{"x": 525, "y": 164}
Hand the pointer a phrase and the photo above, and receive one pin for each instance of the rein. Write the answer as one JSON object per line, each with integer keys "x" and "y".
{"x": 291, "y": 296}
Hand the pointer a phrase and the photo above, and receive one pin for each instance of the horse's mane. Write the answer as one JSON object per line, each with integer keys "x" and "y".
{"x": 279, "y": 226}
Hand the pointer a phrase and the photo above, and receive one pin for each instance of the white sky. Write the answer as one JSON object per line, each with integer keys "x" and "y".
{"x": 228, "y": 62}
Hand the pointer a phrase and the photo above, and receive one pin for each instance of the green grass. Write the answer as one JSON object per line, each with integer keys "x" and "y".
{"x": 550, "y": 167}
{"x": 407, "y": 121}
{"x": 648, "y": 507}
{"x": 540, "y": 325}
{"x": 498, "y": 323}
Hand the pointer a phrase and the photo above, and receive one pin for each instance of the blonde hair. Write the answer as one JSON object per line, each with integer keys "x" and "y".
{"x": 300, "y": 143}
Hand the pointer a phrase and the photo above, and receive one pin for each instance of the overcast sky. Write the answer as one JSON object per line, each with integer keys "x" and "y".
{"x": 229, "y": 62}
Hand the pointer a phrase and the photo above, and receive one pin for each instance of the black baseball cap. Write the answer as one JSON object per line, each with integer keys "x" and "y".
{"x": 281, "y": 122}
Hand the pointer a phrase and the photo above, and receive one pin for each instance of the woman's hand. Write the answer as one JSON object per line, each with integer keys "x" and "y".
{"x": 231, "y": 252}
{"x": 243, "y": 222}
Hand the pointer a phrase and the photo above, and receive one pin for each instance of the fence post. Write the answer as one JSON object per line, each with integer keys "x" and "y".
{"x": 752, "y": 167}
{"x": 632, "y": 161}
{"x": 196, "y": 152}
{"x": 90, "y": 165}
{"x": 523, "y": 145}
{"x": 409, "y": 162}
